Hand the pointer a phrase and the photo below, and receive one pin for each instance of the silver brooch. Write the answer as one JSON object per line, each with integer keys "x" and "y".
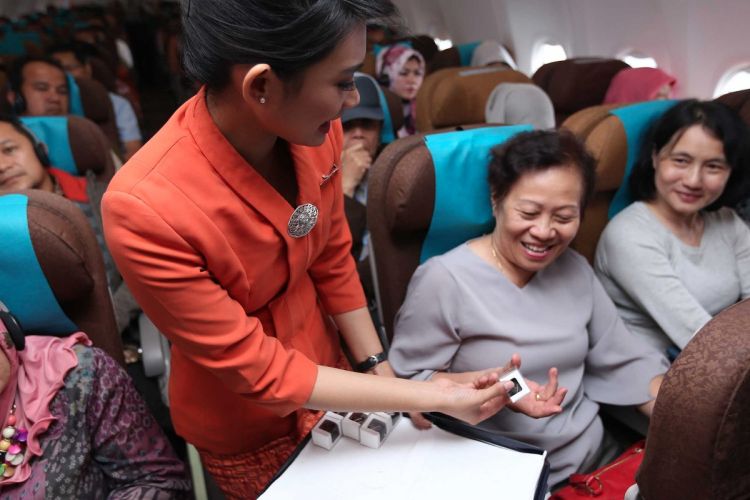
{"x": 302, "y": 221}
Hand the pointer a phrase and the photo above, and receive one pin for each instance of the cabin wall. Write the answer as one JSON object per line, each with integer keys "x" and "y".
{"x": 696, "y": 40}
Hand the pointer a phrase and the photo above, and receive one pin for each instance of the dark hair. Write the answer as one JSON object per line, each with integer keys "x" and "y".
{"x": 537, "y": 151}
{"x": 289, "y": 36}
{"x": 15, "y": 75}
{"x": 80, "y": 50}
{"x": 721, "y": 122}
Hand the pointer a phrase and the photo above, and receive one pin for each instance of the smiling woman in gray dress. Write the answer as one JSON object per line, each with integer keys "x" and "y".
{"x": 521, "y": 289}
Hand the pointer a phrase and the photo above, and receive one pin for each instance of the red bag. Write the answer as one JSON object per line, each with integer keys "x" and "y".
{"x": 608, "y": 483}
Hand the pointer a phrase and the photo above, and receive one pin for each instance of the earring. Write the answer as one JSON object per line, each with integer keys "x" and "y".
{"x": 262, "y": 100}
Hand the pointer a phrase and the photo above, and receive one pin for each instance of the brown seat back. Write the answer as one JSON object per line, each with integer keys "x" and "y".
{"x": 698, "y": 444}
{"x": 738, "y": 101}
{"x": 98, "y": 108}
{"x": 578, "y": 83}
{"x": 605, "y": 139}
{"x": 69, "y": 258}
{"x": 90, "y": 148}
{"x": 457, "y": 96}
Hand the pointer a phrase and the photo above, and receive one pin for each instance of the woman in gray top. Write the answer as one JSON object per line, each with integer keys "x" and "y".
{"x": 679, "y": 254}
{"x": 520, "y": 289}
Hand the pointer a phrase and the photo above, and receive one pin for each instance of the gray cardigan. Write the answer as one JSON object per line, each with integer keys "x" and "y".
{"x": 664, "y": 289}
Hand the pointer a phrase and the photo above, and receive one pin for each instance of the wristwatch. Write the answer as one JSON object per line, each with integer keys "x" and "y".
{"x": 371, "y": 362}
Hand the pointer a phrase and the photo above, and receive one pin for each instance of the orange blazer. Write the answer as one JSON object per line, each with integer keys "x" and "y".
{"x": 201, "y": 239}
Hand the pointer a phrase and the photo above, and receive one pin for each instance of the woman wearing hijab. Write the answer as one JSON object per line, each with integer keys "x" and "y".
{"x": 640, "y": 84}
{"x": 229, "y": 228}
{"x": 73, "y": 426}
{"x": 403, "y": 68}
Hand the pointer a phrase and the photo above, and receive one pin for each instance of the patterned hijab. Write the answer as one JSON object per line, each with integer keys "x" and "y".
{"x": 36, "y": 375}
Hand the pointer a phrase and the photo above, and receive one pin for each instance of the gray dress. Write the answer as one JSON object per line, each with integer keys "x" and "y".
{"x": 664, "y": 289}
{"x": 462, "y": 314}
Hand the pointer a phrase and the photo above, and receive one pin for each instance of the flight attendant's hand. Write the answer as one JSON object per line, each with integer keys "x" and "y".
{"x": 419, "y": 421}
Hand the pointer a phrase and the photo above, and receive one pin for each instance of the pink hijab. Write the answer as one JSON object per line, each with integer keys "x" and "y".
{"x": 637, "y": 85}
{"x": 391, "y": 59}
{"x": 36, "y": 375}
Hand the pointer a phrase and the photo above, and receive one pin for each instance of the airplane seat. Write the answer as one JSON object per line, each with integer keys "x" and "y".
{"x": 425, "y": 45}
{"x": 52, "y": 275}
{"x": 458, "y": 96}
{"x": 74, "y": 144}
{"x": 613, "y": 135}
{"x": 446, "y": 58}
{"x": 102, "y": 73}
{"x": 458, "y": 55}
{"x": 413, "y": 189}
{"x": 94, "y": 100}
{"x": 520, "y": 103}
{"x": 738, "y": 101}
{"x": 577, "y": 83}
{"x": 699, "y": 439}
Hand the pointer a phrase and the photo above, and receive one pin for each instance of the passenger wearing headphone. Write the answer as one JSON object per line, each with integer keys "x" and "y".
{"x": 24, "y": 164}
{"x": 401, "y": 69}
{"x": 37, "y": 87}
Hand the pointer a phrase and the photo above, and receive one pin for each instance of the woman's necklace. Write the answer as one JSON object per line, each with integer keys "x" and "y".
{"x": 495, "y": 253}
{"x": 12, "y": 445}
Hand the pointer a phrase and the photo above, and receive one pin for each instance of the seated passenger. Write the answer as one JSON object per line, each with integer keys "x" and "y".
{"x": 521, "y": 289}
{"x": 402, "y": 69}
{"x": 678, "y": 255}
{"x": 362, "y": 125}
{"x": 74, "y": 426}
{"x": 640, "y": 84}
{"x": 74, "y": 59}
{"x": 37, "y": 86}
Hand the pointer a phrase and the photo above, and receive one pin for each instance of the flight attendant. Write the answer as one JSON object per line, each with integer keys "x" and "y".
{"x": 230, "y": 230}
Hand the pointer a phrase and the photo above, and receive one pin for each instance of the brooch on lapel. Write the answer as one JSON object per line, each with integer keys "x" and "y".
{"x": 302, "y": 221}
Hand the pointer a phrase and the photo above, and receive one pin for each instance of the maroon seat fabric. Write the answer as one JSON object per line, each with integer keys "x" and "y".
{"x": 738, "y": 101}
{"x": 698, "y": 445}
{"x": 98, "y": 108}
{"x": 578, "y": 83}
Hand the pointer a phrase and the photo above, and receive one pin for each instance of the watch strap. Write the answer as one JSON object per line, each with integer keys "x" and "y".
{"x": 371, "y": 362}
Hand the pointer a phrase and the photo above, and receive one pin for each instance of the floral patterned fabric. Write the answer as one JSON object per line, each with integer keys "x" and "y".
{"x": 104, "y": 442}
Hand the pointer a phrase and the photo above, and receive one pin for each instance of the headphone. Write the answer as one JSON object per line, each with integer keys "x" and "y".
{"x": 40, "y": 149}
{"x": 14, "y": 328}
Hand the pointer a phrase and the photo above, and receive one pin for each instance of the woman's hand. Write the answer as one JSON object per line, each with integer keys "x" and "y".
{"x": 544, "y": 400}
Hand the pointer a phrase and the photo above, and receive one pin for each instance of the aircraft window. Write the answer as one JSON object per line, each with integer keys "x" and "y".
{"x": 638, "y": 60}
{"x": 733, "y": 80}
{"x": 443, "y": 44}
{"x": 547, "y": 52}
